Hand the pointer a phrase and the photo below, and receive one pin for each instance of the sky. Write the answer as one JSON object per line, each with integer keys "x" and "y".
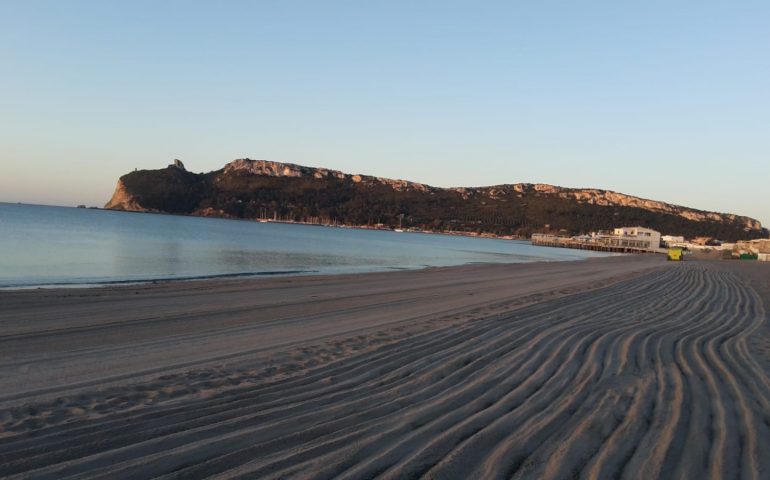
{"x": 659, "y": 99}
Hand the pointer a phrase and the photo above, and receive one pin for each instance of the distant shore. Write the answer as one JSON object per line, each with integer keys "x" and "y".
{"x": 383, "y": 227}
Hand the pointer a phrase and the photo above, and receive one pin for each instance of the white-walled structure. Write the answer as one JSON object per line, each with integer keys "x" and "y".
{"x": 626, "y": 239}
{"x": 639, "y": 235}
{"x": 671, "y": 240}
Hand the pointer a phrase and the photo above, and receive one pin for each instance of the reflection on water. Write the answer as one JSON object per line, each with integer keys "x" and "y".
{"x": 57, "y": 245}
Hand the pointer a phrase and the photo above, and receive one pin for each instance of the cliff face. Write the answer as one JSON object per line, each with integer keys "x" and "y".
{"x": 603, "y": 197}
{"x": 248, "y": 188}
{"x": 277, "y": 169}
{"x": 592, "y": 196}
{"x": 122, "y": 199}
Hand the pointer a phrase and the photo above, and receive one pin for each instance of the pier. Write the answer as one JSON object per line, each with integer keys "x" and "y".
{"x": 561, "y": 242}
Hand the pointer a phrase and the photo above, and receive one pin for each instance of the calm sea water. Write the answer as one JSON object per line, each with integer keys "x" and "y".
{"x": 44, "y": 246}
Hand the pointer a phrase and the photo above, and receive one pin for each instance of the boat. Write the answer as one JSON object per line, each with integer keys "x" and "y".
{"x": 399, "y": 229}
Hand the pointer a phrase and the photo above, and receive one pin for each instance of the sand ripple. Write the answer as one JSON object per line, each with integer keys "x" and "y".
{"x": 648, "y": 378}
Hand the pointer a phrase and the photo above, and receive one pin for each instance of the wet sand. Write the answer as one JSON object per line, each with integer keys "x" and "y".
{"x": 625, "y": 367}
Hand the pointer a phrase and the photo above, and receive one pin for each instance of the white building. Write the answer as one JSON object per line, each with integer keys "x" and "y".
{"x": 638, "y": 235}
{"x": 671, "y": 240}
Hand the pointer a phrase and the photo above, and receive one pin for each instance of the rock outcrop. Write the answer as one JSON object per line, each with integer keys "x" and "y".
{"x": 122, "y": 199}
{"x": 594, "y": 196}
{"x": 278, "y": 169}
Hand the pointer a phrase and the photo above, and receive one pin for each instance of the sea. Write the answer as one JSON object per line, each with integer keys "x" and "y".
{"x": 47, "y": 246}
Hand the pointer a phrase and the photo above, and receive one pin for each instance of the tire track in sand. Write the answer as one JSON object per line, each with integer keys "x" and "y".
{"x": 648, "y": 378}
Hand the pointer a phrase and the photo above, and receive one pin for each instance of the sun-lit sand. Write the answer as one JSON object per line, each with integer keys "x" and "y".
{"x": 624, "y": 367}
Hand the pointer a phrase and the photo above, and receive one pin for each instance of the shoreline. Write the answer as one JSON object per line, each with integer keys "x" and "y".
{"x": 99, "y": 332}
{"x": 258, "y": 276}
{"x": 246, "y": 276}
{"x": 151, "y": 281}
{"x": 267, "y": 274}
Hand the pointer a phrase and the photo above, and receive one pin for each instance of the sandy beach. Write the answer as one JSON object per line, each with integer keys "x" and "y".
{"x": 622, "y": 367}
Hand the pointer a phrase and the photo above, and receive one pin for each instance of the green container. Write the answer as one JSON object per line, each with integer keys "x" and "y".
{"x": 748, "y": 256}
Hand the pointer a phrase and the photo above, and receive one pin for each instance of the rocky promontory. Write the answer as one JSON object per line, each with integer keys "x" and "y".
{"x": 247, "y": 188}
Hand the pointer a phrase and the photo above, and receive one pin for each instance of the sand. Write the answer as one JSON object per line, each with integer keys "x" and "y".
{"x": 625, "y": 367}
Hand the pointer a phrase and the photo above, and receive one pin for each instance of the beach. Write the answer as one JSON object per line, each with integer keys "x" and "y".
{"x": 618, "y": 367}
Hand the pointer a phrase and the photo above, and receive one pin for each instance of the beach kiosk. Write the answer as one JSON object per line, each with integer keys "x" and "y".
{"x": 675, "y": 254}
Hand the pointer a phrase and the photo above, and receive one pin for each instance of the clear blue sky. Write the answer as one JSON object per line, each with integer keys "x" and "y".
{"x": 664, "y": 100}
